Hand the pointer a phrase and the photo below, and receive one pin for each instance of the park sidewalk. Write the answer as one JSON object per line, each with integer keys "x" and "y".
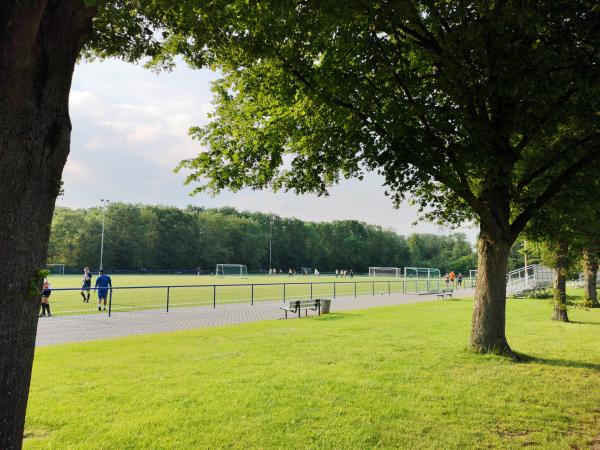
{"x": 60, "y": 330}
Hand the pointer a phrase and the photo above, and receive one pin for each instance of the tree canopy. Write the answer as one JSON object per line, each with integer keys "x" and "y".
{"x": 167, "y": 238}
{"x": 478, "y": 111}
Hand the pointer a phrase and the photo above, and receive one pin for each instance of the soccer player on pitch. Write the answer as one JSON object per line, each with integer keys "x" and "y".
{"x": 103, "y": 282}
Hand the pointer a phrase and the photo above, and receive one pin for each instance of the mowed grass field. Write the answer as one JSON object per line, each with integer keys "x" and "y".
{"x": 393, "y": 377}
{"x": 190, "y": 290}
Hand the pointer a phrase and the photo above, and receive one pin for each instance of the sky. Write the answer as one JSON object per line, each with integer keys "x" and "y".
{"x": 130, "y": 131}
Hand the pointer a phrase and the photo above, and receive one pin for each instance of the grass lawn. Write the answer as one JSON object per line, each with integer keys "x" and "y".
{"x": 199, "y": 290}
{"x": 394, "y": 377}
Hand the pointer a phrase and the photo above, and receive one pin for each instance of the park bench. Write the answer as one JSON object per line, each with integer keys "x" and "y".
{"x": 296, "y": 306}
{"x": 445, "y": 293}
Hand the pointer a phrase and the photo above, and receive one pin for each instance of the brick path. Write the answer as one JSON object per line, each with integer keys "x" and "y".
{"x": 59, "y": 330}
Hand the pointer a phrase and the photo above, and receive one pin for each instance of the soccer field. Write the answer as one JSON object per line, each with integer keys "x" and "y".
{"x": 141, "y": 292}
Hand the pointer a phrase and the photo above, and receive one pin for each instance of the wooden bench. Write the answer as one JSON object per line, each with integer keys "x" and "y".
{"x": 296, "y": 306}
{"x": 445, "y": 293}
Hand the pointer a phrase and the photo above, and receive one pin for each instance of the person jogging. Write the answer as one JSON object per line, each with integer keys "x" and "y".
{"x": 103, "y": 282}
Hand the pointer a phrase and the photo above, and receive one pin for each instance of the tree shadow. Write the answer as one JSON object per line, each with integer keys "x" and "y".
{"x": 337, "y": 316}
{"x": 582, "y": 322}
{"x": 528, "y": 359}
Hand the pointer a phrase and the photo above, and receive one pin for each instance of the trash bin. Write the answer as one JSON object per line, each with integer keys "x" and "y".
{"x": 325, "y": 305}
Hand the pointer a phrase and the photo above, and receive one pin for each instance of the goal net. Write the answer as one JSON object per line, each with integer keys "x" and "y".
{"x": 306, "y": 270}
{"x": 56, "y": 269}
{"x": 472, "y": 278}
{"x": 231, "y": 270}
{"x": 422, "y": 279}
{"x": 395, "y": 272}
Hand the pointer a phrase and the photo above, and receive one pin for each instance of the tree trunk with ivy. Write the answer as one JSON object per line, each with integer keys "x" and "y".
{"x": 590, "y": 274}
{"x": 39, "y": 44}
{"x": 560, "y": 282}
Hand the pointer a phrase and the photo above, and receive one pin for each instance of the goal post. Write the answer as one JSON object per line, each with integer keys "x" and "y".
{"x": 231, "y": 270}
{"x": 422, "y": 279}
{"x": 394, "y": 272}
{"x": 56, "y": 269}
{"x": 473, "y": 277}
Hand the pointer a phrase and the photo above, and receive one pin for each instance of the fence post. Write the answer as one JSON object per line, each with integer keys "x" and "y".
{"x": 168, "y": 295}
{"x": 355, "y": 289}
{"x": 283, "y": 292}
{"x": 334, "y": 289}
{"x": 389, "y": 288}
{"x": 373, "y": 288}
{"x": 252, "y": 295}
{"x": 109, "y": 303}
{"x": 311, "y": 289}
{"x": 214, "y": 296}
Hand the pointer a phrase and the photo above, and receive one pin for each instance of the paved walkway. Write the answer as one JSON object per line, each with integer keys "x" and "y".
{"x": 59, "y": 330}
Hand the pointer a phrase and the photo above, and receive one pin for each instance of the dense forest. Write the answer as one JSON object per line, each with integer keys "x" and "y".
{"x": 168, "y": 238}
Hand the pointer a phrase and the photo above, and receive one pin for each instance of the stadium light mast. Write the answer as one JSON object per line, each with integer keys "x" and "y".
{"x": 270, "y": 241}
{"x": 105, "y": 203}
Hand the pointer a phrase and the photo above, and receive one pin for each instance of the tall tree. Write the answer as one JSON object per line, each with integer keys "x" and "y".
{"x": 591, "y": 253}
{"x": 479, "y": 110}
{"x": 40, "y": 41}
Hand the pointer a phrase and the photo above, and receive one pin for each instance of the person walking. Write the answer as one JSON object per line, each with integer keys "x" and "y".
{"x": 46, "y": 291}
{"x": 459, "y": 279}
{"x": 86, "y": 284}
{"x": 103, "y": 283}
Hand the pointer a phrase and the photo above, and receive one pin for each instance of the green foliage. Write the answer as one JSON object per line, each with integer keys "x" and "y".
{"x": 381, "y": 378}
{"x": 36, "y": 282}
{"x": 476, "y": 110}
{"x": 158, "y": 237}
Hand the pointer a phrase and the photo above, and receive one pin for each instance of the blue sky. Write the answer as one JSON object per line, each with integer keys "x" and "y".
{"x": 130, "y": 131}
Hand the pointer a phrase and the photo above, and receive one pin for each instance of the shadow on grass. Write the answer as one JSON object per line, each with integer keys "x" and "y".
{"x": 337, "y": 316}
{"x": 581, "y": 322}
{"x": 527, "y": 359}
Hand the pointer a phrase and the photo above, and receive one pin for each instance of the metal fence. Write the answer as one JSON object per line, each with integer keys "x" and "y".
{"x": 69, "y": 301}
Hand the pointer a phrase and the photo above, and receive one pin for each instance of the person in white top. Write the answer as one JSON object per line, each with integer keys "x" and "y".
{"x": 46, "y": 291}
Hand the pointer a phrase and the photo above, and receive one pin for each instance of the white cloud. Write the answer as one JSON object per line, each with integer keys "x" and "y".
{"x": 130, "y": 129}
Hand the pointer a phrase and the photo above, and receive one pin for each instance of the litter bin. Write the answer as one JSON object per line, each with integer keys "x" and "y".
{"x": 325, "y": 305}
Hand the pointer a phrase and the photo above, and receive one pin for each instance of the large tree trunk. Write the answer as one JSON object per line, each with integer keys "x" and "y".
{"x": 590, "y": 274}
{"x": 489, "y": 314}
{"x": 560, "y": 282}
{"x": 39, "y": 44}
{"x": 495, "y": 239}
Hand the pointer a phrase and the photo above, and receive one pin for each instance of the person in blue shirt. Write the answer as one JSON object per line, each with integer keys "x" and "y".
{"x": 103, "y": 282}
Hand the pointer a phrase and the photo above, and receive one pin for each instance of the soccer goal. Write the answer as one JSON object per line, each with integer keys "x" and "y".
{"x": 306, "y": 270}
{"x": 394, "y": 272}
{"x": 421, "y": 279}
{"x": 472, "y": 278}
{"x": 56, "y": 269}
{"x": 232, "y": 270}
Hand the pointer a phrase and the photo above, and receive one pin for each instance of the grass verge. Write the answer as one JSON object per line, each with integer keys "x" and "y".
{"x": 398, "y": 377}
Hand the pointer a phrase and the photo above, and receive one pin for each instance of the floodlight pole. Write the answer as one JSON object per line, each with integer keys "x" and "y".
{"x": 270, "y": 242}
{"x": 105, "y": 203}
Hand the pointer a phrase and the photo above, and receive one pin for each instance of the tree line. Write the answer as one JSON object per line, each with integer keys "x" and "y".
{"x": 167, "y": 238}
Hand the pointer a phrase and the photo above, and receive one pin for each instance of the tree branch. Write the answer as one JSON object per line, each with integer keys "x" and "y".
{"x": 552, "y": 111}
{"x": 529, "y": 177}
{"x": 555, "y": 185}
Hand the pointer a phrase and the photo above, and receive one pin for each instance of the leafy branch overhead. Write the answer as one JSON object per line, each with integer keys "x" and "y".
{"x": 464, "y": 101}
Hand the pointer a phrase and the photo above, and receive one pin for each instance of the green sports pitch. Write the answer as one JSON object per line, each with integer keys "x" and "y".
{"x": 143, "y": 292}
